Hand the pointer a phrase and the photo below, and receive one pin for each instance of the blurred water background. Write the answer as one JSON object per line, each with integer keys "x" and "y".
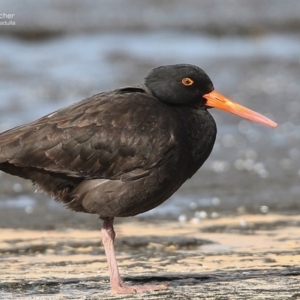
{"x": 54, "y": 53}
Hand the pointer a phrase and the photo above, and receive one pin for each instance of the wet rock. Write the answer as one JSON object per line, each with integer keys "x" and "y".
{"x": 194, "y": 263}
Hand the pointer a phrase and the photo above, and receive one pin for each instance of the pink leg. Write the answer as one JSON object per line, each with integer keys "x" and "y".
{"x": 116, "y": 283}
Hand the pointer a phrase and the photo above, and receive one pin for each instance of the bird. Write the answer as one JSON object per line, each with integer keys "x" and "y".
{"x": 122, "y": 152}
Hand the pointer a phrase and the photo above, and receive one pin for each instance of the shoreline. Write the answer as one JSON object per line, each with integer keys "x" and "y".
{"x": 243, "y": 257}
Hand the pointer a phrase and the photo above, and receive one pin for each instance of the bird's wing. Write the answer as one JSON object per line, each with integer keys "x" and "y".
{"x": 108, "y": 135}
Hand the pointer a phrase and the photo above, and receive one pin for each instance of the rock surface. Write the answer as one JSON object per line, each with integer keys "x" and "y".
{"x": 243, "y": 257}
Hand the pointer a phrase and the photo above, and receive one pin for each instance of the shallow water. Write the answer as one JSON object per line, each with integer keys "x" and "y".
{"x": 252, "y": 168}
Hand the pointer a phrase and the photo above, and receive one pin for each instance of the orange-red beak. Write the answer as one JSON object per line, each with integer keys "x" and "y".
{"x": 217, "y": 100}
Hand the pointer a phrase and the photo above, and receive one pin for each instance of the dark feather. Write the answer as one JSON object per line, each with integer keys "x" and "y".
{"x": 111, "y": 153}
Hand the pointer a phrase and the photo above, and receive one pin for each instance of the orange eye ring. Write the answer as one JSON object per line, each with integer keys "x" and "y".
{"x": 187, "y": 81}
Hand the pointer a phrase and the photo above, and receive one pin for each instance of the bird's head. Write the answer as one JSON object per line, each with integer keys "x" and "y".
{"x": 189, "y": 85}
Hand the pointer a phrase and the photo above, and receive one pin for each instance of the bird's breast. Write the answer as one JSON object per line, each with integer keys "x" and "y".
{"x": 197, "y": 136}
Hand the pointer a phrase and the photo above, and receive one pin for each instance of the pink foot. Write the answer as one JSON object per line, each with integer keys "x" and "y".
{"x": 136, "y": 289}
{"x": 116, "y": 283}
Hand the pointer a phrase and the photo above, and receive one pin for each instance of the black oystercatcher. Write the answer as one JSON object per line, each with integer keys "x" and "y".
{"x": 124, "y": 152}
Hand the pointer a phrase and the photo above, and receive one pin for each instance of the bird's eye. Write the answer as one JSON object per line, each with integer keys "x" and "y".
{"x": 187, "y": 81}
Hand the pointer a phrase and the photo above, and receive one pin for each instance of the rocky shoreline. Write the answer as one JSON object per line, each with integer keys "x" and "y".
{"x": 244, "y": 257}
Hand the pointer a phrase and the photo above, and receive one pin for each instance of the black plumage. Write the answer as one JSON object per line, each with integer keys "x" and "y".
{"x": 119, "y": 153}
{"x": 111, "y": 154}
